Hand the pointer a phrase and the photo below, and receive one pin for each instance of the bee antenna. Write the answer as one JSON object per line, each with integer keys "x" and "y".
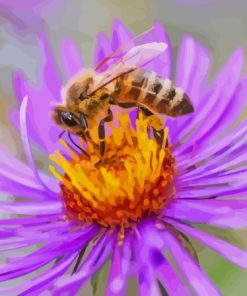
{"x": 76, "y": 145}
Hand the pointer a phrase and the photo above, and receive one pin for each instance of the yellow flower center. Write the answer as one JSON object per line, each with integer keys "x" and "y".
{"x": 133, "y": 180}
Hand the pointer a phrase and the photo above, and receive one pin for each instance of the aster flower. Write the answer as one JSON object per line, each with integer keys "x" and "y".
{"x": 141, "y": 206}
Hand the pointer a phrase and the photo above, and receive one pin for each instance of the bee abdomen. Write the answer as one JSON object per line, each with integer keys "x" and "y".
{"x": 145, "y": 86}
{"x": 174, "y": 102}
{"x": 162, "y": 96}
{"x": 156, "y": 93}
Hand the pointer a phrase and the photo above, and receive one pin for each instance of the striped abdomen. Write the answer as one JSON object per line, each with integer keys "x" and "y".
{"x": 151, "y": 90}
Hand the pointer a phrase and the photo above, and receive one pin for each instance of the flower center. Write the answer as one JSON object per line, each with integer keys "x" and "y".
{"x": 133, "y": 180}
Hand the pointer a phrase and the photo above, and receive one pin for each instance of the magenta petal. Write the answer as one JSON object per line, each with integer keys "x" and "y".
{"x": 197, "y": 185}
{"x": 232, "y": 253}
{"x": 173, "y": 285}
{"x": 68, "y": 243}
{"x": 27, "y": 222}
{"x": 151, "y": 251}
{"x": 219, "y": 150}
{"x": 46, "y": 278}
{"x": 146, "y": 266}
{"x": 225, "y": 86}
{"x": 231, "y": 114}
{"x": 45, "y": 134}
{"x": 13, "y": 188}
{"x": 120, "y": 266}
{"x": 39, "y": 208}
{"x": 27, "y": 147}
{"x": 71, "y": 58}
{"x": 197, "y": 279}
{"x": 95, "y": 259}
{"x": 102, "y": 49}
{"x": 10, "y": 173}
{"x": 120, "y": 34}
{"x": 193, "y": 66}
{"x": 163, "y": 65}
{"x": 49, "y": 73}
{"x": 41, "y": 95}
{"x": 220, "y": 213}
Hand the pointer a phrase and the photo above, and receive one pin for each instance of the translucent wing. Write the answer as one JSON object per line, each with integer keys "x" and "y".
{"x": 135, "y": 54}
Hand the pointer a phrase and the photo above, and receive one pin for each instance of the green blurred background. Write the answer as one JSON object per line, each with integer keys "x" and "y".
{"x": 220, "y": 25}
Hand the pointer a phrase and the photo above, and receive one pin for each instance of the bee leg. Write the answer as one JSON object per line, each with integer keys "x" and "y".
{"x": 159, "y": 136}
{"x": 109, "y": 117}
{"x": 86, "y": 136}
{"x": 101, "y": 133}
{"x": 84, "y": 124}
{"x": 156, "y": 124}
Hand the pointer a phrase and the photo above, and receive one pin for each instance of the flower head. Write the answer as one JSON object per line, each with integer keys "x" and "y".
{"x": 149, "y": 198}
{"x": 133, "y": 179}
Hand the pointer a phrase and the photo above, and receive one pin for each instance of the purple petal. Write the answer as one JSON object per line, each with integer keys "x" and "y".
{"x": 151, "y": 252}
{"x": 30, "y": 238}
{"x": 49, "y": 72}
{"x": 41, "y": 96}
{"x": 41, "y": 208}
{"x": 220, "y": 213}
{"x": 222, "y": 148}
{"x": 45, "y": 134}
{"x": 217, "y": 103}
{"x": 120, "y": 34}
{"x": 163, "y": 65}
{"x": 145, "y": 268}
{"x": 14, "y": 172}
{"x": 69, "y": 242}
{"x": 120, "y": 266}
{"x": 94, "y": 261}
{"x": 19, "y": 191}
{"x": 193, "y": 66}
{"x": 231, "y": 114}
{"x": 45, "y": 279}
{"x": 197, "y": 279}
{"x": 26, "y": 145}
{"x": 102, "y": 49}
{"x": 212, "y": 186}
{"x": 220, "y": 165}
{"x": 23, "y": 222}
{"x": 71, "y": 58}
{"x": 232, "y": 253}
{"x": 173, "y": 285}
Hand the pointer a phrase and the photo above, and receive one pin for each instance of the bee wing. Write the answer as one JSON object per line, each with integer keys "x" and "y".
{"x": 137, "y": 57}
{"x": 117, "y": 54}
{"x": 135, "y": 54}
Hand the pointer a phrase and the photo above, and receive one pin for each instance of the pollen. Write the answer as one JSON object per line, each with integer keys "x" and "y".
{"x": 132, "y": 181}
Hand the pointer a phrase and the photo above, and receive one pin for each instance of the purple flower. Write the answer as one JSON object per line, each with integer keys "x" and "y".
{"x": 210, "y": 188}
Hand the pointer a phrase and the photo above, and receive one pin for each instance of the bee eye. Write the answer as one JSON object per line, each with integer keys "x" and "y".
{"x": 68, "y": 119}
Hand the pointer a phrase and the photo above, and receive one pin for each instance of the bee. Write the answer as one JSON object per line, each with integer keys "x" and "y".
{"x": 125, "y": 83}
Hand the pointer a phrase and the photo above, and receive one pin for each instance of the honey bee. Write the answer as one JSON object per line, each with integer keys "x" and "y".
{"x": 89, "y": 95}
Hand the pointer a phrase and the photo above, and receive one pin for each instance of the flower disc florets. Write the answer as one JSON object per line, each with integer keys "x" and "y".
{"x": 133, "y": 180}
